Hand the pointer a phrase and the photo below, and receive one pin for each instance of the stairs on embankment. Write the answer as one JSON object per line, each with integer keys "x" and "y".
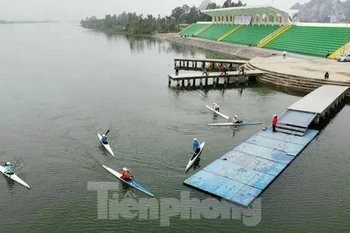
{"x": 292, "y": 82}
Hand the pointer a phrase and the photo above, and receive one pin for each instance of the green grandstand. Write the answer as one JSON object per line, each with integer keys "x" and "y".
{"x": 193, "y": 29}
{"x": 216, "y": 31}
{"x": 316, "y": 41}
{"x": 250, "y": 35}
{"x": 269, "y": 27}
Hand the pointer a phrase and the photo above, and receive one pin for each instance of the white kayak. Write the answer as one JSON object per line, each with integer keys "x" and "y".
{"x": 219, "y": 113}
{"x": 107, "y": 146}
{"x": 194, "y": 157}
{"x": 236, "y": 124}
{"x": 14, "y": 177}
{"x": 133, "y": 183}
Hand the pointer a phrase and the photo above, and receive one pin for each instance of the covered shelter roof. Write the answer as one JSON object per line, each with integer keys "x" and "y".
{"x": 244, "y": 10}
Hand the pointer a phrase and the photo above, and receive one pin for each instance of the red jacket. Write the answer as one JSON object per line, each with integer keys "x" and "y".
{"x": 274, "y": 121}
{"x": 125, "y": 175}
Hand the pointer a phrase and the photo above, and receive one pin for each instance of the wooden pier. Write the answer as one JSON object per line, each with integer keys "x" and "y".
{"x": 213, "y": 78}
{"x": 199, "y": 64}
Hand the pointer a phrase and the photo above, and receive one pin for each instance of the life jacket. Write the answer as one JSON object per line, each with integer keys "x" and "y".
{"x": 274, "y": 121}
{"x": 125, "y": 175}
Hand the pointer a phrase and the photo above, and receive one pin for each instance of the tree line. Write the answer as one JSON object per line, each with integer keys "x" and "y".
{"x": 132, "y": 23}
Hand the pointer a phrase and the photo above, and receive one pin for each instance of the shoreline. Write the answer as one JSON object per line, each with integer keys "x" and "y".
{"x": 297, "y": 72}
{"x": 239, "y": 51}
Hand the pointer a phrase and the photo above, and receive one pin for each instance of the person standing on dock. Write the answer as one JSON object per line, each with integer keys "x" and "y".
{"x": 224, "y": 71}
{"x": 326, "y": 75}
{"x": 205, "y": 72}
{"x": 284, "y": 54}
{"x": 274, "y": 123}
{"x": 221, "y": 68}
{"x": 241, "y": 69}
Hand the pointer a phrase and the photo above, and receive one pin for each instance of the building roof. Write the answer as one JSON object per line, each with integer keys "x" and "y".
{"x": 244, "y": 10}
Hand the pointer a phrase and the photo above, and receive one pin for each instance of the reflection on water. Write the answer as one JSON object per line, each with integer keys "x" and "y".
{"x": 138, "y": 44}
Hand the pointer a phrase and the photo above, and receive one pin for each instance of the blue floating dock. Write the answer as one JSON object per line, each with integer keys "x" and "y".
{"x": 243, "y": 173}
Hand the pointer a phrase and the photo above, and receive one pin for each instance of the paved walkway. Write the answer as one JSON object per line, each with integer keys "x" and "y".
{"x": 308, "y": 68}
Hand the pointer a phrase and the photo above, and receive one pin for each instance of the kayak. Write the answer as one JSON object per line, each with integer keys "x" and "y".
{"x": 236, "y": 124}
{"x": 219, "y": 113}
{"x": 14, "y": 177}
{"x": 107, "y": 146}
{"x": 194, "y": 157}
{"x": 132, "y": 182}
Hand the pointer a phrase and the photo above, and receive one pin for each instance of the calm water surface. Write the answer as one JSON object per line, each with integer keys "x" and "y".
{"x": 60, "y": 85}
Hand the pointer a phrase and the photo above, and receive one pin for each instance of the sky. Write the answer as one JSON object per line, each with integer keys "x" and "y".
{"x": 77, "y": 9}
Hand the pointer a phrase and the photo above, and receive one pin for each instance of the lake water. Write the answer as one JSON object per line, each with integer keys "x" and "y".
{"x": 61, "y": 84}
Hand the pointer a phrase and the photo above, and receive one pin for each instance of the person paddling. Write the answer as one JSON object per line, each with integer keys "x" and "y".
{"x": 196, "y": 146}
{"x": 274, "y": 123}
{"x": 9, "y": 168}
{"x": 126, "y": 175}
{"x": 104, "y": 139}
{"x": 216, "y": 107}
{"x": 236, "y": 120}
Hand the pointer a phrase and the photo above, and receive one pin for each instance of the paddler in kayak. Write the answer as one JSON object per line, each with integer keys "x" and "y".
{"x": 104, "y": 139}
{"x": 126, "y": 175}
{"x": 196, "y": 146}
{"x": 235, "y": 120}
{"x": 216, "y": 107}
{"x": 9, "y": 168}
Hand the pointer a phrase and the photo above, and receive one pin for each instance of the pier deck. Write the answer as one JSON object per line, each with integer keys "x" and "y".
{"x": 214, "y": 77}
{"x": 199, "y": 63}
{"x": 319, "y": 100}
{"x": 241, "y": 62}
{"x": 243, "y": 173}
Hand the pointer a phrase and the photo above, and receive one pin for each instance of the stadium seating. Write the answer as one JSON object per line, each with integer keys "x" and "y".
{"x": 193, "y": 29}
{"x": 316, "y": 41}
{"x": 250, "y": 34}
{"x": 216, "y": 31}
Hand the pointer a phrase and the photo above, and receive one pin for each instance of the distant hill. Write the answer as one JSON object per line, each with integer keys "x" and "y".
{"x": 26, "y": 21}
{"x": 324, "y": 11}
{"x": 204, "y": 4}
{"x": 296, "y": 6}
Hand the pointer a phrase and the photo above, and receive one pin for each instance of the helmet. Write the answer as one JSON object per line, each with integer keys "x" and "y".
{"x": 103, "y": 135}
{"x": 235, "y": 116}
{"x": 274, "y": 115}
{"x": 8, "y": 163}
{"x": 125, "y": 169}
{"x": 194, "y": 139}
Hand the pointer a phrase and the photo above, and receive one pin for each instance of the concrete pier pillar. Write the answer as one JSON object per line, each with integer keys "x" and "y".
{"x": 194, "y": 82}
{"x": 206, "y": 82}
{"x": 183, "y": 82}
